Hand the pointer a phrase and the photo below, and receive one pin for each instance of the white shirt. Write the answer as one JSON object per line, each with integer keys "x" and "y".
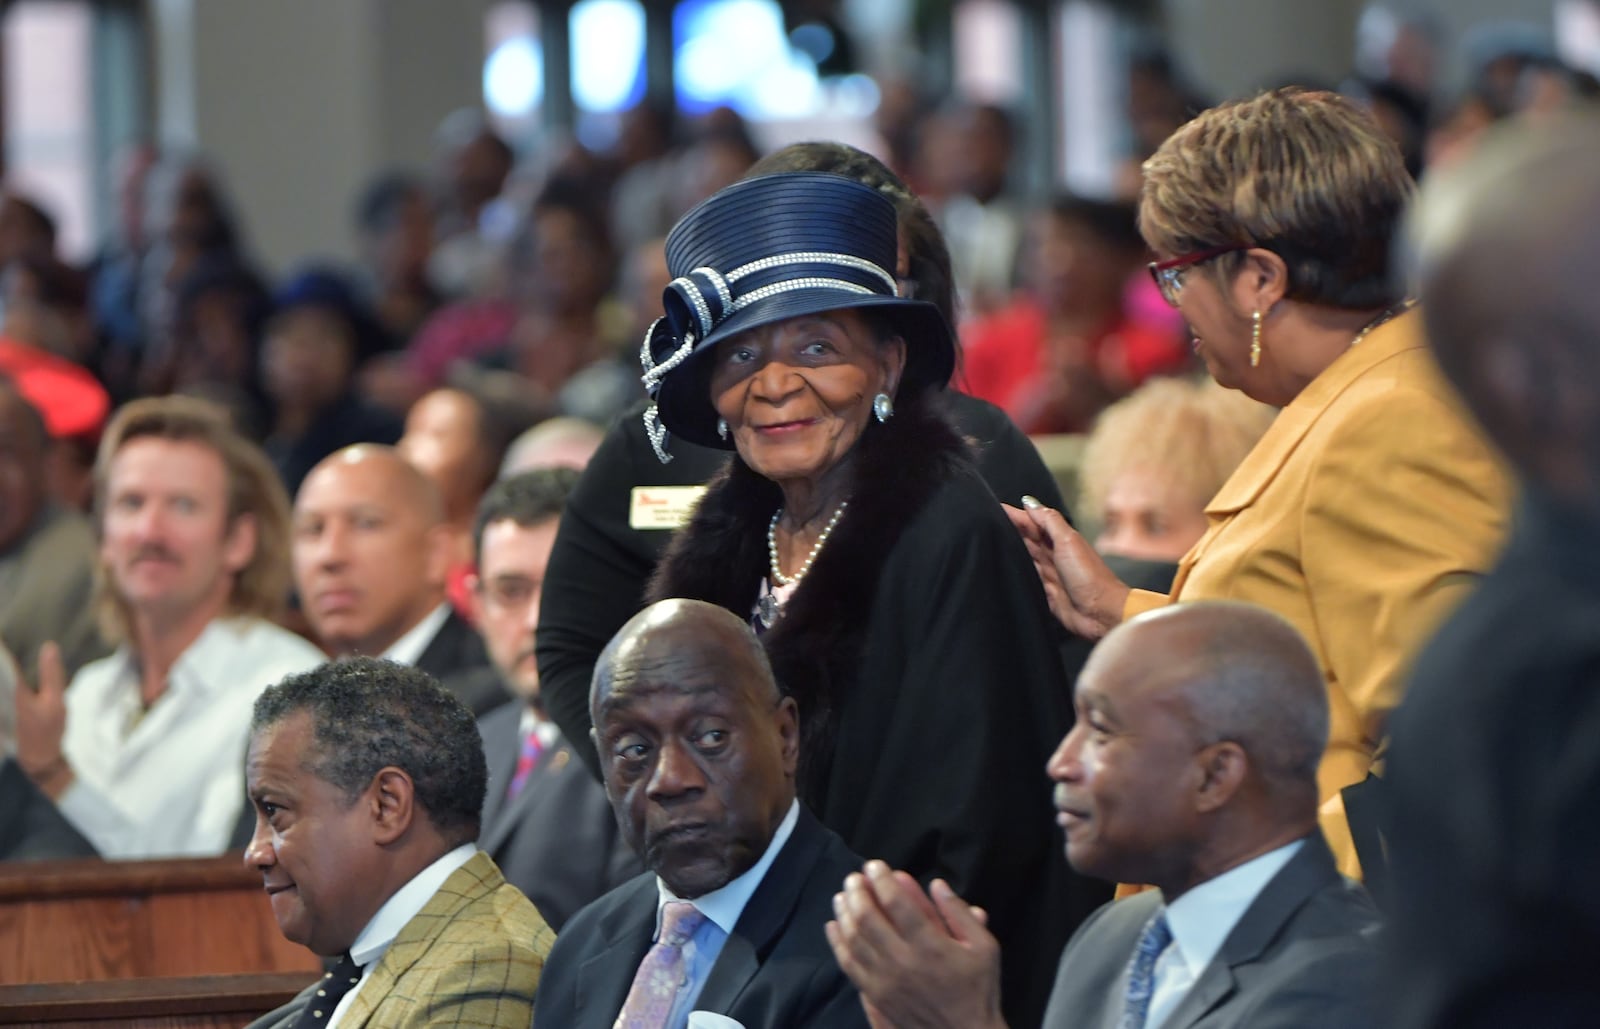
{"x": 405, "y": 904}
{"x": 171, "y": 783}
{"x": 547, "y": 732}
{"x": 409, "y": 647}
{"x": 1201, "y": 920}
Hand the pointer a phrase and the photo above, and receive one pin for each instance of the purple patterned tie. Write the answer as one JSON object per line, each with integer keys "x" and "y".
{"x": 661, "y": 973}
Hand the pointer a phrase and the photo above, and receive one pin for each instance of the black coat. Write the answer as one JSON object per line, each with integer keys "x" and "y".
{"x": 931, "y": 688}
{"x": 1493, "y": 790}
{"x": 601, "y": 563}
{"x": 775, "y": 971}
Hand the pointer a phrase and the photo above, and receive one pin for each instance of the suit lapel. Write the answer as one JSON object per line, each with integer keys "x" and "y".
{"x": 1308, "y": 871}
{"x": 603, "y": 980}
{"x": 467, "y": 884}
{"x": 553, "y": 764}
{"x": 765, "y": 917}
{"x": 500, "y": 750}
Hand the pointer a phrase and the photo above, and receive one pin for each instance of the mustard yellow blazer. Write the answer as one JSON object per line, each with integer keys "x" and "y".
{"x": 1363, "y": 516}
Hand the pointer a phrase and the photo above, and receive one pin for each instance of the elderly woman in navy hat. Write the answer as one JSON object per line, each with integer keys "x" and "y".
{"x": 895, "y": 601}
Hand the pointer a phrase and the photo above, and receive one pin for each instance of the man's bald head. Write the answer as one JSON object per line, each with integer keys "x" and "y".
{"x": 1505, "y": 246}
{"x": 1240, "y": 673}
{"x": 691, "y": 632}
{"x": 385, "y": 469}
{"x": 1199, "y": 730}
{"x": 370, "y": 550}
{"x": 697, "y": 748}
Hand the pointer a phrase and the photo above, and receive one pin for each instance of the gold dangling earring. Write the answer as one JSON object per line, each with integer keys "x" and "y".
{"x": 1255, "y": 338}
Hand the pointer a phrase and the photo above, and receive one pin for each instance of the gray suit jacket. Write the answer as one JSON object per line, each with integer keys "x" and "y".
{"x": 1304, "y": 956}
{"x": 557, "y": 840}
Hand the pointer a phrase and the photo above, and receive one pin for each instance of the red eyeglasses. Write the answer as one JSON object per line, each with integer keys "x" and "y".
{"x": 1168, "y": 275}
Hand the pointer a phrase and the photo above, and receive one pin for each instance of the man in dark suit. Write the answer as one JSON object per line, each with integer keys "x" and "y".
{"x": 546, "y": 821}
{"x": 1192, "y": 767}
{"x": 699, "y": 751}
{"x": 1493, "y": 783}
{"x": 366, "y": 780}
{"x": 371, "y": 554}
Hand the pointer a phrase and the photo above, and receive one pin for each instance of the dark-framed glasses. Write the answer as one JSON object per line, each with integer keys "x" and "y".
{"x": 1168, "y": 274}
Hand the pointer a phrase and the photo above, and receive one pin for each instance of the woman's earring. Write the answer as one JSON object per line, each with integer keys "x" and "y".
{"x": 1255, "y": 338}
{"x": 722, "y": 427}
{"x": 882, "y": 407}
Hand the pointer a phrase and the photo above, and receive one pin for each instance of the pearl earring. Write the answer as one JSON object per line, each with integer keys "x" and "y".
{"x": 722, "y": 427}
{"x": 1255, "y": 338}
{"x": 882, "y": 407}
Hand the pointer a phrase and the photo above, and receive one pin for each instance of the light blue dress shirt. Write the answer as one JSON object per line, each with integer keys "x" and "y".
{"x": 722, "y": 908}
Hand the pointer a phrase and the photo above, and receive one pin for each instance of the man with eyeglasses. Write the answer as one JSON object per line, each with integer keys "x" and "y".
{"x": 546, "y": 822}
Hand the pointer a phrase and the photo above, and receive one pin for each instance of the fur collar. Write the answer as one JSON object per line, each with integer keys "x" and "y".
{"x": 816, "y": 647}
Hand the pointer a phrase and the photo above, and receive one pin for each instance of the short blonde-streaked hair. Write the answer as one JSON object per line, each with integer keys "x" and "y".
{"x": 1191, "y": 433}
{"x": 262, "y": 587}
{"x": 1307, "y": 175}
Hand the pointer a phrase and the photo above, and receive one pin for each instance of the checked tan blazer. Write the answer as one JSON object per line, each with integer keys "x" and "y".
{"x": 471, "y": 957}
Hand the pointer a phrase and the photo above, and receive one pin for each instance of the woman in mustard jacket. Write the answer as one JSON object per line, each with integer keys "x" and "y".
{"x": 1372, "y": 505}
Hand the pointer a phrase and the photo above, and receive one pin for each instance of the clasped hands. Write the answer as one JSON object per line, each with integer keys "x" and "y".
{"x": 921, "y": 960}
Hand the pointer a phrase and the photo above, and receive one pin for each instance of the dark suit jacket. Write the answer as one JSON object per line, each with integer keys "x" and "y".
{"x": 1493, "y": 791}
{"x": 1303, "y": 956}
{"x": 31, "y": 829}
{"x": 775, "y": 969}
{"x": 557, "y": 841}
{"x": 456, "y": 657}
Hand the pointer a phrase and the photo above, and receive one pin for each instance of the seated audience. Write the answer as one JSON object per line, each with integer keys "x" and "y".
{"x": 370, "y": 557}
{"x": 559, "y": 442}
{"x": 546, "y": 822}
{"x": 1495, "y": 768}
{"x": 317, "y": 339}
{"x": 1192, "y": 766}
{"x": 456, "y": 438}
{"x": 31, "y": 829}
{"x": 219, "y": 310}
{"x": 699, "y": 751}
{"x": 367, "y": 779}
{"x": 1068, "y": 344}
{"x": 144, "y": 754}
{"x": 46, "y": 550}
{"x": 1153, "y": 463}
{"x": 394, "y": 228}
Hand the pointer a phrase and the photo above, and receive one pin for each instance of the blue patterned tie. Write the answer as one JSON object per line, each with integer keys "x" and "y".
{"x": 1142, "y": 971}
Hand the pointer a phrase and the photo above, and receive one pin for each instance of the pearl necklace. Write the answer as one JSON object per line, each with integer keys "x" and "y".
{"x": 772, "y": 545}
{"x": 1398, "y": 309}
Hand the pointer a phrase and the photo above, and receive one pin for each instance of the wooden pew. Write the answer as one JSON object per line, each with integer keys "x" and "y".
{"x": 200, "y": 1002}
{"x": 62, "y": 921}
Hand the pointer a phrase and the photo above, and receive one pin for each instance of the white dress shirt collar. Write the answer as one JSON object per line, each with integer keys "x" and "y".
{"x": 548, "y": 732}
{"x": 724, "y": 905}
{"x": 404, "y": 905}
{"x": 1200, "y": 921}
{"x": 1203, "y": 917}
{"x": 409, "y": 647}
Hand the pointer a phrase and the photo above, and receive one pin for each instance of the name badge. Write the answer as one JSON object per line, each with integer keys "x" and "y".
{"x": 663, "y": 507}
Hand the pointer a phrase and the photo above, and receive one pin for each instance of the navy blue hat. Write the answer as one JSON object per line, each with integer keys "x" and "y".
{"x": 766, "y": 250}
